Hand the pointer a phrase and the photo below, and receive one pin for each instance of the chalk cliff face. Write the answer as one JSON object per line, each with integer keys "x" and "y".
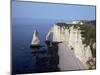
{"x": 35, "y": 39}
{"x": 70, "y": 35}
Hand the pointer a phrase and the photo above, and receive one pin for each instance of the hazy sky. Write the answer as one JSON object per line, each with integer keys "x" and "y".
{"x": 52, "y": 11}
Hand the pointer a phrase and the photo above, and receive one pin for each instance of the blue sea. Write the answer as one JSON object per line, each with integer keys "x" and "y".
{"x": 23, "y": 60}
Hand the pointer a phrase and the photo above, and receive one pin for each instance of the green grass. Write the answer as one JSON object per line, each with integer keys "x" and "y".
{"x": 89, "y": 33}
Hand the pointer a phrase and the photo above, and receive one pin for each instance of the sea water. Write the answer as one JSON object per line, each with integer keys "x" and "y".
{"x": 22, "y": 30}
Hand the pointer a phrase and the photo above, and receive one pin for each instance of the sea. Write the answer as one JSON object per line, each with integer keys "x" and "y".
{"x": 23, "y": 60}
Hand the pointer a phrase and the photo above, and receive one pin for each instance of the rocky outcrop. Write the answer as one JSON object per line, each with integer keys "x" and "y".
{"x": 71, "y": 35}
{"x": 35, "y": 40}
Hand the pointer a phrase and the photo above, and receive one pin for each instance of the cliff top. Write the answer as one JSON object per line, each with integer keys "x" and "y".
{"x": 88, "y": 30}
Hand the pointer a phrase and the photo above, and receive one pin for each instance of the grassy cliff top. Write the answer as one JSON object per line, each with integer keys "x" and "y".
{"x": 89, "y": 33}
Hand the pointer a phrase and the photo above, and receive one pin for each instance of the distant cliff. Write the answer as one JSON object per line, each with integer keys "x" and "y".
{"x": 79, "y": 37}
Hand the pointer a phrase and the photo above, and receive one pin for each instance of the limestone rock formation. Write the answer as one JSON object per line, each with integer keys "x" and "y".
{"x": 35, "y": 39}
{"x": 76, "y": 37}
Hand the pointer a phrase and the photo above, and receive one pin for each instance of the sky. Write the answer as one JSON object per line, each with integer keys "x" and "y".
{"x": 52, "y": 11}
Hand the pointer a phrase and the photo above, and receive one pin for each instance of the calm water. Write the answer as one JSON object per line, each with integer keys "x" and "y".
{"x": 23, "y": 60}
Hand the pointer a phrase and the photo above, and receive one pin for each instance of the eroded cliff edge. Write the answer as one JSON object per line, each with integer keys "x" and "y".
{"x": 79, "y": 37}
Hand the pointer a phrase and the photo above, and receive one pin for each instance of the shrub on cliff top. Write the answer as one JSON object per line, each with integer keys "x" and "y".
{"x": 89, "y": 33}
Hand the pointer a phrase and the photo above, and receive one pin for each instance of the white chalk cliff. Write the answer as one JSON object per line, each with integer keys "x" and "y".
{"x": 71, "y": 36}
{"x": 35, "y": 39}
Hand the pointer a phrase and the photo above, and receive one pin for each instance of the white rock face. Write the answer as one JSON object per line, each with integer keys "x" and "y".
{"x": 56, "y": 34}
{"x": 67, "y": 59}
{"x": 72, "y": 38}
{"x": 35, "y": 39}
{"x": 49, "y": 35}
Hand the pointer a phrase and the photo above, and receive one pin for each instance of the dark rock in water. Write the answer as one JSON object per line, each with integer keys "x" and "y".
{"x": 47, "y": 43}
{"x": 56, "y": 43}
{"x": 35, "y": 46}
{"x": 53, "y": 59}
{"x": 53, "y": 69}
{"x": 47, "y": 57}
